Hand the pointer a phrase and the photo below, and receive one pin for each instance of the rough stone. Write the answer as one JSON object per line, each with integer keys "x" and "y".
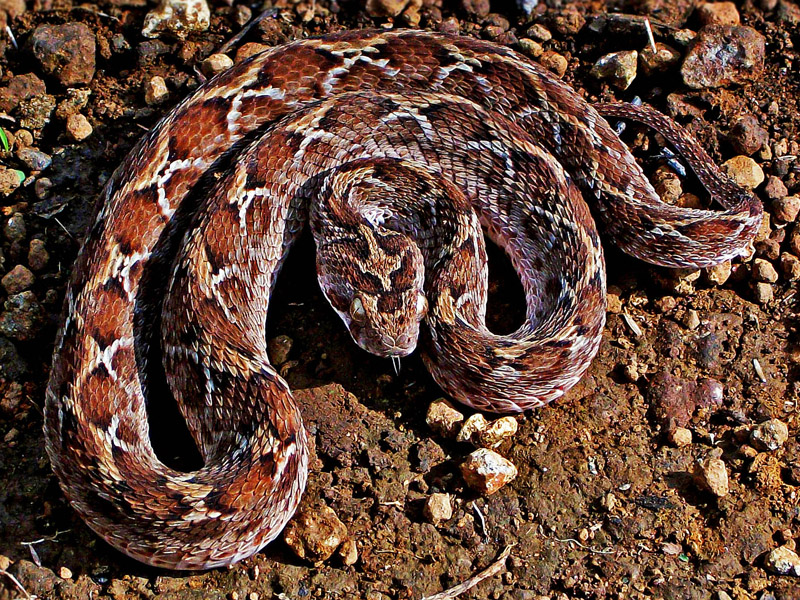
{"x": 662, "y": 60}
{"x": 786, "y": 209}
{"x": 764, "y": 271}
{"x": 783, "y": 561}
{"x": 790, "y": 266}
{"x": 314, "y": 533}
{"x": 438, "y": 508}
{"x": 710, "y": 474}
{"x": 769, "y": 435}
{"x": 721, "y": 55}
{"x": 216, "y": 63}
{"x": 443, "y": 418}
{"x": 37, "y": 255}
{"x": 19, "y": 88}
{"x": 718, "y": 13}
{"x": 66, "y": 52}
{"x": 17, "y": 280}
{"x": 619, "y": 68}
{"x": 179, "y": 17}
{"x": 680, "y": 437}
{"x": 775, "y": 188}
{"x": 747, "y": 136}
{"x": 719, "y": 274}
{"x": 486, "y": 472}
{"x": 78, "y": 127}
{"x": 744, "y": 171}
{"x": 554, "y": 62}
{"x": 155, "y": 90}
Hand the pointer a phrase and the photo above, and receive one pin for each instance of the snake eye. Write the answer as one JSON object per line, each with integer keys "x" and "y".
{"x": 357, "y": 312}
{"x": 422, "y": 307}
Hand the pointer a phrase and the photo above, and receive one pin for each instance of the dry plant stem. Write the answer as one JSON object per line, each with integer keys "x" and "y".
{"x": 493, "y": 569}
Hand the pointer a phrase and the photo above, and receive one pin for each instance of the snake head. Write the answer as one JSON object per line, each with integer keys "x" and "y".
{"x": 376, "y": 290}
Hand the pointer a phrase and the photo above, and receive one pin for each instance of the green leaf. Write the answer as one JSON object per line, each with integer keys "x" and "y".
{"x": 4, "y": 139}
{"x": 20, "y": 174}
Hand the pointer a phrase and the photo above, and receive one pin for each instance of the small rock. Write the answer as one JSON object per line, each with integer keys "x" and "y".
{"x": 5, "y": 562}
{"x": 37, "y": 255}
{"x": 78, "y": 127}
{"x": 783, "y": 561}
{"x": 569, "y": 21}
{"x": 763, "y": 293}
{"x": 719, "y": 274}
{"x": 618, "y": 67}
{"x": 497, "y": 431}
{"x": 35, "y": 112}
{"x": 248, "y": 50}
{"x": 75, "y": 101}
{"x": 9, "y": 181}
{"x": 15, "y": 229}
{"x": 744, "y": 171}
{"x": 680, "y": 437}
{"x": 674, "y": 399}
{"x": 65, "y": 573}
{"x": 774, "y": 188}
{"x": 786, "y": 209}
{"x": 438, "y": 508}
{"x": 721, "y": 55}
{"x": 718, "y": 13}
{"x": 770, "y": 435}
{"x": 155, "y": 90}
{"x": 710, "y": 474}
{"x": 242, "y": 14}
{"x": 539, "y": 32}
{"x": 692, "y": 319}
{"x": 554, "y": 62}
{"x": 42, "y": 187}
{"x": 17, "y": 280}
{"x": 662, "y": 60}
{"x": 314, "y": 533}
{"x": 216, "y": 63}
{"x": 66, "y": 52}
{"x": 764, "y": 271}
{"x": 790, "y": 266}
{"x": 385, "y": 8}
{"x": 22, "y": 317}
{"x": 24, "y": 138}
{"x": 478, "y": 8}
{"x": 613, "y": 300}
{"x": 747, "y": 136}
{"x": 472, "y": 429}
{"x": 794, "y": 241}
{"x": 769, "y": 249}
{"x": 443, "y": 418}
{"x": 19, "y": 88}
{"x": 486, "y": 472}
{"x": 179, "y": 17}
{"x": 35, "y": 160}
{"x": 279, "y": 348}
{"x": 531, "y": 48}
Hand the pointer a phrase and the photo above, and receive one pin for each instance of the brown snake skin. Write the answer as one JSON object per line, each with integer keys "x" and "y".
{"x": 193, "y": 227}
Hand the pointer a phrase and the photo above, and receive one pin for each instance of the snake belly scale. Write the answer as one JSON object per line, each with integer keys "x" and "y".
{"x": 192, "y": 230}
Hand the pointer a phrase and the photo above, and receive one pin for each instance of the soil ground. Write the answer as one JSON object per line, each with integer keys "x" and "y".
{"x": 604, "y": 506}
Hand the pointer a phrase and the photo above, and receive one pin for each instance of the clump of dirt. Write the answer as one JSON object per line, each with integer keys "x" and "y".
{"x": 616, "y": 495}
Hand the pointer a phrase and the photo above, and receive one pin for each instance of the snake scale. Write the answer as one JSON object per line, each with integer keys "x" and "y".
{"x": 399, "y": 146}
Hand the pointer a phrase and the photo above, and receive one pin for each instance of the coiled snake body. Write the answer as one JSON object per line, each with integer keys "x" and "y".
{"x": 386, "y": 136}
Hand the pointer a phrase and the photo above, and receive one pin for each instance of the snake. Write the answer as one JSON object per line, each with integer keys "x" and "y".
{"x": 402, "y": 149}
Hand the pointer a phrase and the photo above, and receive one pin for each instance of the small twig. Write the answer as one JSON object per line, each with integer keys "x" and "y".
{"x": 269, "y": 12}
{"x": 11, "y": 37}
{"x": 16, "y": 582}
{"x": 470, "y": 583}
{"x": 759, "y": 371}
{"x": 60, "y": 224}
{"x": 650, "y": 35}
{"x": 51, "y": 538}
{"x": 481, "y": 519}
{"x": 584, "y": 547}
